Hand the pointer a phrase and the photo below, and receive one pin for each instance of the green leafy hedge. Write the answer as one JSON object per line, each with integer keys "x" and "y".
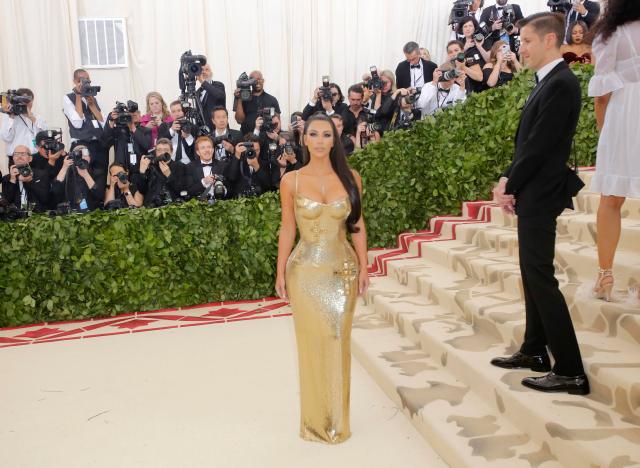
{"x": 105, "y": 263}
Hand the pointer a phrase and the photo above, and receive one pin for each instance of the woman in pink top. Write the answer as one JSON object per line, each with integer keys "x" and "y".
{"x": 157, "y": 113}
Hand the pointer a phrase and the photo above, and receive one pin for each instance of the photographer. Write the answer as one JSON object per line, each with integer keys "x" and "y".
{"x": 268, "y": 127}
{"x": 501, "y": 66}
{"x": 161, "y": 179}
{"x": 128, "y": 137}
{"x": 121, "y": 193}
{"x": 368, "y": 130}
{"x": 403, "y": 112}
{"x": 447, "y": 89}
{"x": 474, "y": 10}
{"x": 296, "y": 127}
{"x": 326, "y": 99}
{"x": 501, "y": 19}
{"x": 50, "y": 151}
{"x": 383, "y": 87}
{"x": 414, "y": 72}
{"x": 24, "y": 186}
{"x": 348, "y": 143}
{"x": 247, "y": 111}
{"x": 288, "y": 159}
{"x": 351, "y": 116}
{"x": 224, "y": 138}
{"x": 251, "y": 178}
{"x": 208, "y": 178}
{"x": 20, "y": 128}
{"x": 85, "y": 118}
{"x": 74, "y": 188}
{"x": 468, "y": 61}
{"x": 210, "y": 93}
{"x": 179, "y": 132}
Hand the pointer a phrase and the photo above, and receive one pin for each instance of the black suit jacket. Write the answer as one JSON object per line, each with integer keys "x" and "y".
{"x": 120, "y": 139}
{"x": 65, "y": 191}
{"x": 38, "y": 191}
{"x": 403, "y": 73}
{"x": 152, "y": 183}
{"x": 491, "y": 12}
{"x": 214, "y": 96}
{"x": 539, "y": 171}
{"x": 593, "y": 11}
{"x": 164, "y": 132}
{"x": 194, "y": 173}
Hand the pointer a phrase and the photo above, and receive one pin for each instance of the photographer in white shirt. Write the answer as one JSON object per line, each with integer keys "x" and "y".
{"x": 21, "y": 129}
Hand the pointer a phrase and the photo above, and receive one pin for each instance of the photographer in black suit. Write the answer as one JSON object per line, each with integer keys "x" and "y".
{"x": 24, "y": 186}
{"x": 493, "y": 17}
{"x": 211, "y": 93}
{"x": 247, "y": 111}
{"x": 414, "y": 72}
{"x": 161, "y": 179}
{"x": 335, "y": 105}
{"x": 538, "y": 185}
{"x": 75, "y": 186}
{"x": 250, "y": 176}
{"x": 582, "y": 10}
{"x": 224, "y": 138}
{"x": 129, "y": 140}
{"x": 180, "y": 135}
{"x": 208, "y": 178}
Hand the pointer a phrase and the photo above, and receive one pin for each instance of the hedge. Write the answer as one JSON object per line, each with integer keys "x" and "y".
{"x": 105, "y": 263}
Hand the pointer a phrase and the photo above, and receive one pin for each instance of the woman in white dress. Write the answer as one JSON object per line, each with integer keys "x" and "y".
{"x": 616, "y": 88}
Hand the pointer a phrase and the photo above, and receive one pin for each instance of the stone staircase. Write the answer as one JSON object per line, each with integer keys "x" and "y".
{"x": 447, "y": 300}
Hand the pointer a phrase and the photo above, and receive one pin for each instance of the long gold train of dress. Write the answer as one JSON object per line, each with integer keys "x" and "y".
{"x": 321, "y": 281}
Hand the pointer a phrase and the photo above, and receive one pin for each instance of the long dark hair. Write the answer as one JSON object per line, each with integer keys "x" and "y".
{"x": 616, "y": 13}
{"x": 340, "y": 166}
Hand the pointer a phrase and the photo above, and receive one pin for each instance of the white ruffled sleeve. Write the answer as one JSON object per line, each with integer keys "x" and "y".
{"x": 605, "y": 78}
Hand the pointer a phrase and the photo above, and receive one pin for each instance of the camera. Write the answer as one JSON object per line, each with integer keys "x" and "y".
{"x": 267, "y": 115}
{"x": 560, "y": 5}
{"x": 155, "y": 158}
{"x": 481, "y": 33}
{"x": 245, "y": 84}
{"x": 325, "y": 89}
{"x": 76, "y": 157}
{"x": 449, "y": 75}
{"x": 124, "y": 111}
{"x": 460, "y": 10}
{"x": 220, "y": 138}
{"x": 122, "y": 177}
{"x": 412, "y": 97}
{"x": 508, "y": 18}
{"x": 250, "y": 151}
{"x": 219, "y": 189}
{"x": 288, "y": 149}
{"x": 375, "y": 82}
{"x": 191, "y": 65}
{"x": 9, "y": 212}
{"x": 369, "y": 118}
{"x": 25, "y": 171}
{"x": 18, "y": 102}
{"x": 185, "y": 125}
{"x": 51, "y": 140}
{"x": 86, "y": 90}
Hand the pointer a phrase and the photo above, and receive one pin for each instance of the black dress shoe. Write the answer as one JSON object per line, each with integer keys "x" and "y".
{"x": 577, "y": 385}
{"x": 539, "y": 363}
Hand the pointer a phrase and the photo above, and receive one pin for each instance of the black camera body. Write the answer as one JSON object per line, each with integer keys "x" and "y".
{"x": 122, "y": 177}
{"x": 125, "y": 111}
{"x": 25, "y": 171}
{"x": 219, "y": 139}
{"x": 86, "y": 90}
{"x": 191, "y": 65}
{"x": 185, "y": 125}
{"x": 250, "y": 152}
{"x": 245, "y": 84}
{"x": 508, "y": 18}
{"x": 325, "y": 89}
{"x": 156, "y": 158}
{"x": 375, "y": 82}
{"x": 369, "y": 117}
{"x": 52, "y": 142}
{"x": 459, "y": 10}
{"x": 267, "y": 115}
{"x": 481, "y": 33}
{"x": 17, "y": 101}
{"x": 412, "y": 97}
{"x": 560, "y": 5}
{"x": 449, "y": 75}
{"x": 78, "y": 161}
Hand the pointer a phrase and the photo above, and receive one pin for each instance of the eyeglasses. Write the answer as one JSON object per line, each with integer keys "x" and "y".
{"x": 21, "y": 153}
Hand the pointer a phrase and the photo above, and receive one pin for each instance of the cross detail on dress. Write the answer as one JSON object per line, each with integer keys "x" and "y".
{"x": 348, "y": 273}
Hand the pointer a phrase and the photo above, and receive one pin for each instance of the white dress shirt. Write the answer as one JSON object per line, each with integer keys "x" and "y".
{"x": 433, "y": 98}
{"x": 174, "y": 143}
{"x": 21, "y": 131}
{"x": 417, "y": 75}
{"x": 544, "y": 71}
{"x": 69, "y": 109}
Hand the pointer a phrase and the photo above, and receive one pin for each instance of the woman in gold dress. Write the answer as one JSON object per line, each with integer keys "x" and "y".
{"x": 323, "y": 276}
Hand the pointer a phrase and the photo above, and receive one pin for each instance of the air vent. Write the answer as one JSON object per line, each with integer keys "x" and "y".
{"x": 103, "y": 42}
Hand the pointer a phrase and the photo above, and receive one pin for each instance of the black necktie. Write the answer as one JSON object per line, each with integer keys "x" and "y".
{"x": 415, "y": 66}
{"x": 536, "y": 77}
{"x": 207, "y": 165}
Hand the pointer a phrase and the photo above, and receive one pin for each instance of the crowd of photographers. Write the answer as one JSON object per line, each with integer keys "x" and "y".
{"x": 186, "y": 149}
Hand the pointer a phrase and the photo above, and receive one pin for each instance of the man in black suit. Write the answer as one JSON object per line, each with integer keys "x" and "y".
{"x": 211, "y": 93}
{"x": 160, "y": 181}
{"x": 224, "y": 138}
{"x": 414, "y": 72}
{"x": 75, "y": 185}
{"x": 536, "y": 186}
{"x": 33, "y": 189}
{"x": 585, "y": 10}
{"x": 492, "y": 16}
{"x": 204, "y": 175}
{"x": 181, "y": 139}
{"x": 130, "y": 141}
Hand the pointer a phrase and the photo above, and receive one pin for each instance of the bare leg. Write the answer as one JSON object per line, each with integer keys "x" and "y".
{"x": 608, "y": 225}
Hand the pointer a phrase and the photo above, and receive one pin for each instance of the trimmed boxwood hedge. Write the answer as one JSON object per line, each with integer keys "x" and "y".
{"x": 105, "y": 263}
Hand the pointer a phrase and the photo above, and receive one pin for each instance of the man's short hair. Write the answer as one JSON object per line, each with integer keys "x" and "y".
{"x": 356, "y": 88}
{"x": 411, "y": 47}
{"x": 219, "y": 108}
{"x": 545, "y": 23}
{"x": 164, "y": 141}
{"x": 251, "y": 137}
{"x": 76, "y": 73}
{"x": 203, "y": 139}
{"x": 455, "y": 41}
{"x": 177, "y": 102}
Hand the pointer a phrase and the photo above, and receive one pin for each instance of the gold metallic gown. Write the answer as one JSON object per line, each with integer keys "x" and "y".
{"x": 321, "y": 280}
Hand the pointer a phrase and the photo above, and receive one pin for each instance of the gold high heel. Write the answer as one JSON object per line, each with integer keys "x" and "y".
{"x": 604, "y": 285}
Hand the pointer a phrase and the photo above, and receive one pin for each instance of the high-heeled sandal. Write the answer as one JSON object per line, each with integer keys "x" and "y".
{"x": 604, "y": 285}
